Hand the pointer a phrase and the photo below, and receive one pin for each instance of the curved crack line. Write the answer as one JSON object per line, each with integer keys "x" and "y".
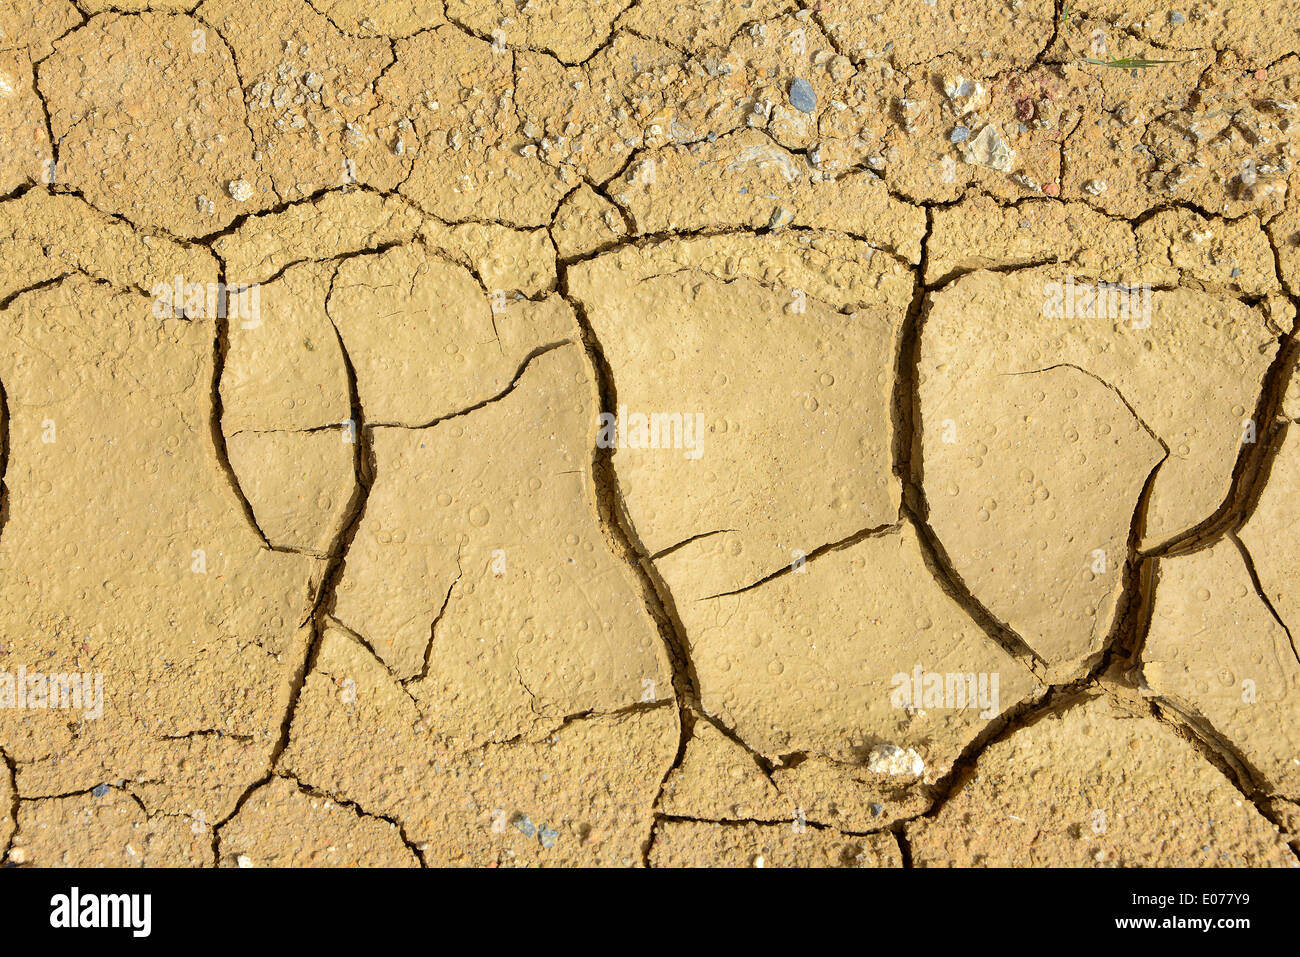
{"x": 220, "y": 349}
{"x": 686, "y": 541}
{"x": 614, "y": 31}
{"x": 1253, "y": 467}
{"x": 243, "y": 101}
{"x": 1249, "y": 562}
{"x": 909, "y": 470}
{"x": 1218, "y": 752}
{"x": 6, "y": 440}
{"x": 11, "y": 769}
{"x": 433, "y": 626}
{"x": 321, "y": 794}
{"x": 848, "y": 541}
{"x": 613, "y": 517}
{"x": 509, "y": 388}
{"x": 363, "y": 467}
{"x": 1120, "y": 395}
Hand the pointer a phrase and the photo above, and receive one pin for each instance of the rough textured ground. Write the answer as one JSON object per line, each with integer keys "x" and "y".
{"x": 367, "y": 583}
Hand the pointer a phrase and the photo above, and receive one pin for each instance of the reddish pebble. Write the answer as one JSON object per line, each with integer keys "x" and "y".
{"x": 1261, "y": 74}
{"x": 1051, "y": 189}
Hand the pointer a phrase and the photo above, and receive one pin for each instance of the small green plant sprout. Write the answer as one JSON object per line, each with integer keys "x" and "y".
{"x": 1129, "y": 62}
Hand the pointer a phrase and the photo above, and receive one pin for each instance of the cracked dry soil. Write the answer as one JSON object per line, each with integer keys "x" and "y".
{"x": 333, "y": 530}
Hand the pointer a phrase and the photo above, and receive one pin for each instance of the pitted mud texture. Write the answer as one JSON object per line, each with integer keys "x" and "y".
{"x": 647, "y": 433}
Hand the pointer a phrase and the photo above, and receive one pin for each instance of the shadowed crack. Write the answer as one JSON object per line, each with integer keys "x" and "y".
{"x": 686, "y": 541}
{"x": 660, "y": 601}
{"x": 433, "y": 626}
{"x": 363, "y": 466}
{"x": 322, "y": 795}
{"x": 50, "y": 172}
{"x": 363, "y": 642}
{"x": 894, "y": 833}
{"x": 957, "y": 272}
{"x": 236, "y": 224}
{"x": 220, "y": 348}
{"x": 9, "y": 300}
{"x": 350, "y": 254}
{"x": 601, "y": 47}
{"x": 788, "y": 569}
{"x": 1254, "y": 462}
{"x": 826, "y": 181}
{"x": 363, "y": 470}
{"x": 1122, "y": 649}
{"x": 1111, "y": 668}
{"x": 1259, "y": 590}
{"x": 514, "y": 384}
{"x": 899, "y": 830}
{"x": 1118, "y": 394}
{"x": 1116, "y": 672}
{"x": 11, "y": 771}
{"x": 1219, "y": 752}
{"x": 906, "y": 412}
{"x": 360, "y": 812}
{"x": 243, "y": 92}
{"x": 1053, "y": 700}
{"x": 6, "y": 440}
{"x": 625, "y": 542}
{"x": 763, "y": 822}
{"x": 208, "y": 733}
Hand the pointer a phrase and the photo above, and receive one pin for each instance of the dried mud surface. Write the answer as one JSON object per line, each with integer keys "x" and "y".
{"x": 331, "y": 335}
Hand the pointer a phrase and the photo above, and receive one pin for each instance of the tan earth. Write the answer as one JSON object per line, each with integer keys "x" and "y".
{"x": 737, "y": 433}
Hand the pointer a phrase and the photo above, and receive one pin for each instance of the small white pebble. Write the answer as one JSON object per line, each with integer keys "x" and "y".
{"x": 891, "y": 759}
{"x": 243, "y": 860}
{"x": 239, "y": 191}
